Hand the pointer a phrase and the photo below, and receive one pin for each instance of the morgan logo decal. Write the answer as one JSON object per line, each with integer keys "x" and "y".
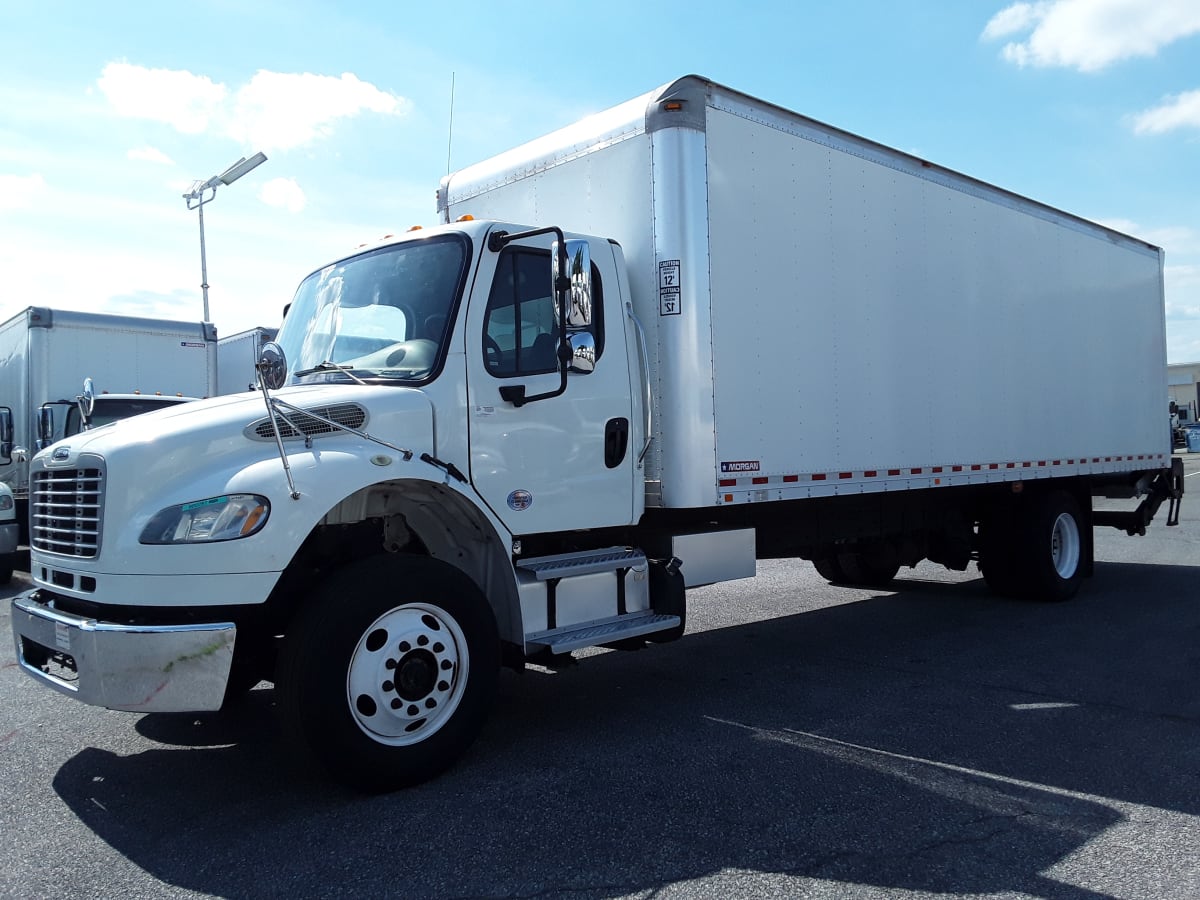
{"x": 520, "y": 500}
{"x": 749, "y": 465}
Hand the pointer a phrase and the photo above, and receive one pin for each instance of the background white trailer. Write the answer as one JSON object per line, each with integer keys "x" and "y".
{"x": 236, "y": 357}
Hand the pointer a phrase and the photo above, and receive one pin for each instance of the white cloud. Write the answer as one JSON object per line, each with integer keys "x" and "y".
{"x": 1089, "y": 35}
{"x": 1013, "y": 19}
{"x": 185, "y": 101}
{"x": 19, "y": 192}
{"x": 283, "y": 193}
{"x": 1179, "y": 111}
{"x": 272, "y": 111}
{"x": 149, "y": 154}
{"x": 1176, "y": 240}
{"x": 278, "y": 111}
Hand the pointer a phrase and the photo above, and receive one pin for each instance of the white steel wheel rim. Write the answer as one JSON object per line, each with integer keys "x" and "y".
{"x": 407, "y": 674}
{"x": 1065, "y": 546}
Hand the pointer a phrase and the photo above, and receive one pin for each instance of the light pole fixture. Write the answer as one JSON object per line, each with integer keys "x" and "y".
{"x": 203, "y": 192}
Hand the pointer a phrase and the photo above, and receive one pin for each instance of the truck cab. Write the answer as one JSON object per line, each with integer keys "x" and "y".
{"x": 9, "y": 533}
{"x": 441, "y": 413}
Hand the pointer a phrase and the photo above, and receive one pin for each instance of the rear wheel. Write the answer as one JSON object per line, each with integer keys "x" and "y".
{"x": 387, "y": 675}
{"x": 1038, "y": 549}
{"x": 1051, "y": 550}
{"x": 829, "y": 568}
{"x": 869, "y": 565}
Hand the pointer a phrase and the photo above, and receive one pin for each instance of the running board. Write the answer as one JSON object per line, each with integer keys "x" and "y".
{"x": 576, "y": 637}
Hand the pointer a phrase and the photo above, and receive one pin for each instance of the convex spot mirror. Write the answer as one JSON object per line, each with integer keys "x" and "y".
{"x": 583, "y": 352}
{"x": 272, "y": 366}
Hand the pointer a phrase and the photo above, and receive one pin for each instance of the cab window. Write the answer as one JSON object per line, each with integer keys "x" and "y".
{"x": 520, "y": 334}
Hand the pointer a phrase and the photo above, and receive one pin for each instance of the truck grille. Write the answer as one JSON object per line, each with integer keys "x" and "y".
{"x": 65, "y": 507}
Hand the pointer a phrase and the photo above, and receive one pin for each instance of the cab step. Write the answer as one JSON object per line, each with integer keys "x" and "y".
{"x": 570, "y": 565}
{"x": 592, "y": 634}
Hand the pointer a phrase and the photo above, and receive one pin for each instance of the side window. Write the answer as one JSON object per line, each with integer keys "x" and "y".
{"x": 520, "y": 335}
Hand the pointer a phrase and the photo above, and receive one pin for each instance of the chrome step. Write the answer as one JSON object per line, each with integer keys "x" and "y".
{"x": 576, "y": 637}
{"x": 567, "y": 565}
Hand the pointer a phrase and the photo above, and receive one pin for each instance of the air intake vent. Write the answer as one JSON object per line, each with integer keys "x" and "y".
{"x": 65, "y": 510}
{"x": 348, "y": 414}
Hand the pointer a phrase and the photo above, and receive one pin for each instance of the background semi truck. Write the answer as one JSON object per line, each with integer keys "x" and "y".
{"x": 629, "y": 362}
{"x": 237, "y": 355}
{"x": 135, "y": 364}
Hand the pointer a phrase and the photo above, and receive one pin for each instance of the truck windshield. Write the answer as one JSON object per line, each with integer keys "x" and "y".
{"x": 381, "y": 316}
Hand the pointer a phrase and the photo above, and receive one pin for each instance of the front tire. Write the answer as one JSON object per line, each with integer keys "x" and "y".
{"x": 386, "y": 676}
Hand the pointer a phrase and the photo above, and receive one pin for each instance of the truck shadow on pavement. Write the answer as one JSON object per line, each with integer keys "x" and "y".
{"x": 934, "y": 738}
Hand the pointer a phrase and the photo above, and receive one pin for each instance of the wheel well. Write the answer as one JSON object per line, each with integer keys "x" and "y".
{"x": 415, "y": 517}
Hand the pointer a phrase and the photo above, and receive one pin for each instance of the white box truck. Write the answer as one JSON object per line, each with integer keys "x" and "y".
{"x": 630, "y": 361}
{"x": 237, "y": 355}
{"x": 135, "y": 364}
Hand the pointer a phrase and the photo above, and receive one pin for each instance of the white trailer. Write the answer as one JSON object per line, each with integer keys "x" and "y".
{"x": 135, "y": 364}
{"x": 488, "y": 442}
{"x": 237, "y": 355}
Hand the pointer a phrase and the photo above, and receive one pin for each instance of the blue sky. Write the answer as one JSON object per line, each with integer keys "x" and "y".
{"x": 109, "y": 112}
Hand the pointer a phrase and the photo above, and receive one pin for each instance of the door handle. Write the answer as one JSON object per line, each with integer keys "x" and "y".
{"x": 616, "y": 441}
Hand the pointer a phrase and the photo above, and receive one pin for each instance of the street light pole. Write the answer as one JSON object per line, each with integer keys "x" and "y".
{"x": 203, "y": 192}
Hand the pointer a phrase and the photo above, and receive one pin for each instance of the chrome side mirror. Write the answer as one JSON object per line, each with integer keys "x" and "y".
{"x": 87, "y": 400}
{"x": 579, "y": 270}
{"x": 6, "y": 433}
{"x": 45, "y": 427}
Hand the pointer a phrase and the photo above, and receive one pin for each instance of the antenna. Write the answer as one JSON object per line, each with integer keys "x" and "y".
{"x": 450, "y": 137}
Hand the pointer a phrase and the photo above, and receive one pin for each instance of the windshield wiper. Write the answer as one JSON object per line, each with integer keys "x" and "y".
{"x": 328, "y": 366}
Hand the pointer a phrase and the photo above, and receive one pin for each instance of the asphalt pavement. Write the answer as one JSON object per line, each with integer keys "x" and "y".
{"x": 802, "y": 740}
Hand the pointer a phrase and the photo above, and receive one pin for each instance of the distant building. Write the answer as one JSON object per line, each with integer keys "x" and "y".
{"x": 1183, "y": 386}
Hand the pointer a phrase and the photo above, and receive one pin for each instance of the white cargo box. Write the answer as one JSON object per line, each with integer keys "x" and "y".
{"x": 827, "y": 315}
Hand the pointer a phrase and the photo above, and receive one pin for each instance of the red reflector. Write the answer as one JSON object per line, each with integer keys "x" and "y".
{"x": 893, "y": 471}
{"x": 993, "y": 465}
{"x": 870, "y": 473}
{"x": 1026, "y": 465}
{"x": 758, "y": 480}
{"x": 845, "y": 474}
{"x": 727, "y": 482}
{"x": 956, "y": 468}
{"x": 791, "y": 477}
{"x": 818, "y": 478}
{"x": 916, "y": 471}
{"x": 1010, "y": 465}
{"x": 976, "y": 468}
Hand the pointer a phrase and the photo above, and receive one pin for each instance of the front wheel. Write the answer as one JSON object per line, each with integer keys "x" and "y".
{"x": 387, "y": 675}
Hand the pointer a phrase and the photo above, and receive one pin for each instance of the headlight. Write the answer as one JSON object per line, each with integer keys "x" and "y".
{"x": 224, "y": 518}
{"x": 6, "y": 502}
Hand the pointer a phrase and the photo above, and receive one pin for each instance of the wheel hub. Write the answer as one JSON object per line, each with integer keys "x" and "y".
{"x": 407, "y": 674}
{"x": 416, "y": 675}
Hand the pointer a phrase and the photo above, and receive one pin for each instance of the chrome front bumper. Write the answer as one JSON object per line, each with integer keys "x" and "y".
{"x": 140, "y": 668}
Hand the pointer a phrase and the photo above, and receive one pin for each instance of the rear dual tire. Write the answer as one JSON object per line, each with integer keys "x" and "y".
{"x": 1035, "y": 549}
